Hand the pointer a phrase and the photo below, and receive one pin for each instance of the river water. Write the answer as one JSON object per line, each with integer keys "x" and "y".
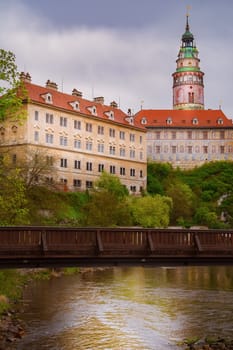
{"x": 128, "y": 309}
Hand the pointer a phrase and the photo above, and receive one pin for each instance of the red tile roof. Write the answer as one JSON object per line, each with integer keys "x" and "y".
{"x": 183, "y": 118}
{"x": 62, "y": 100}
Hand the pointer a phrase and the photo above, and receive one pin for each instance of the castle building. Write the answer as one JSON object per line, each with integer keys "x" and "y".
{"x": 187, "y": 135}
{"x": 78, "y": 137}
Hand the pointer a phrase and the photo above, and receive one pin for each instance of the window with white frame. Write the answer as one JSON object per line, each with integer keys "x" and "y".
{"x": 77, "y": 183}
{"x": 132, "y": 172}
{"x": 89, "y": 166}
{"x": 49, "y": 118}
{"x": 132, "y": 153}
{"x": 133, "y": 188}
{"x": 112, "y": 169}
{"x": 89, "y": 127}
{"x": 100, "y": 130}
{"x": 49, "y": 138}
{"x": 63, "y": 121}
{"x": 132, "y": 137}
{"x": 122, "y": 171}
{"x": 36, "y": 116}
{"x": 100, "y": 147}
{"x": 36, "y": 136}
{"x": 100, "y": 168}
{"x": 63, "y": 163}
{"x": 63, "y": 140}
{"x": 89, "y": 145}
{"x": 77, "y": 124}
{"x": 112, "y": 150}
{"x": 122, "y": 152}
{"x": 77, "y": 144}
{"x": 89, "y": 184}
{"x": 77, "y": 164}
{"x": 122, "y": 135}
{"x": 112, "y": 132}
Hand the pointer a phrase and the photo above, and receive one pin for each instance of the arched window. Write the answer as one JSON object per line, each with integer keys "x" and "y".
{"x": 195, "y": 121}
{"x": 144, "y": 121}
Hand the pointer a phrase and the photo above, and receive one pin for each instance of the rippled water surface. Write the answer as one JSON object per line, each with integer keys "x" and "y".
{"x": 128, "y": 309}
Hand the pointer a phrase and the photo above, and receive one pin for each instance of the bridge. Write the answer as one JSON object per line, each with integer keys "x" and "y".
{"x": 26, "y": 247}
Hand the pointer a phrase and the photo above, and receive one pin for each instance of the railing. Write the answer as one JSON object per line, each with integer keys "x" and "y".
{"x": 41, "y": 246}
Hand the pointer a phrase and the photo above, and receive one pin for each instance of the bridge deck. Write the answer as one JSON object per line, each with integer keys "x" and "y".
{"x": 53, "y": 246}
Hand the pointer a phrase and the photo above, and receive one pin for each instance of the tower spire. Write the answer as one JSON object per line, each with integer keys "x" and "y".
{"x": 188, "y": 87}
{"x": 187, "y": 23}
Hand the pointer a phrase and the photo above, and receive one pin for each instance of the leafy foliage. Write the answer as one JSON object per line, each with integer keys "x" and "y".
{"x": 12, "y": 91}
{"x": 13, "y": 200}
{"x": 151, "y": 211}
{"x": 200, "y": 195}
{"x": 107, "y": 205}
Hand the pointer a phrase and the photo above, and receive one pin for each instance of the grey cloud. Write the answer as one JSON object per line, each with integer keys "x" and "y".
{"x": 125, "y": 64}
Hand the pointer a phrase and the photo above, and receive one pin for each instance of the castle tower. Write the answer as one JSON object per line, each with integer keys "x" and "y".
{"x": 188, "y": 87}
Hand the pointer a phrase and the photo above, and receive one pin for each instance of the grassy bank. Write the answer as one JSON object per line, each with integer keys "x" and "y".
{"x": 12, "y": 283}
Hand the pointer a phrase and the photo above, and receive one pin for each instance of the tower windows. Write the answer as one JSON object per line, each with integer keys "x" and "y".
{"x": 191, "y": 97}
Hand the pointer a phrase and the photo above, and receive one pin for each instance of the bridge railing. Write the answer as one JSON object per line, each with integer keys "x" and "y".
{"x": 61, "y": 241}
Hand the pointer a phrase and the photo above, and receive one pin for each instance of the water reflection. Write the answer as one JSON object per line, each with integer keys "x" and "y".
{"x": 129, "y": 308}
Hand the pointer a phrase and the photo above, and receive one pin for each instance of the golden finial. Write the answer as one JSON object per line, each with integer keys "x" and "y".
{"x": 188, "y": 7}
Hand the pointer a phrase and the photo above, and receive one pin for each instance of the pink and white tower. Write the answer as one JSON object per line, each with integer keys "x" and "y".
{"x": 188, "y": 87}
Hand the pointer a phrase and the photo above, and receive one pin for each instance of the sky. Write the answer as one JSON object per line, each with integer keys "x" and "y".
{"x": 124, "y": 50}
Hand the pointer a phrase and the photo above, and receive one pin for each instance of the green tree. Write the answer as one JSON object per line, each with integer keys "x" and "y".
{"x": 204, "y": 216}
{"x": 183, "y": 201}
{"x": 12, "y": 91}
{"x": 157, "y": 176}
{"x": 13, "y": 201}
{"x": 112, "y": 184}
{"x": 107, "y": 205}
{"x": 151, "y": 211}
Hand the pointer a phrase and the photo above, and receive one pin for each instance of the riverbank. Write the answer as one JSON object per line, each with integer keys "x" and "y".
{"x": 210, "y": 344}
{"x": 11, "y": 330}
{"x": 12, "y": 284}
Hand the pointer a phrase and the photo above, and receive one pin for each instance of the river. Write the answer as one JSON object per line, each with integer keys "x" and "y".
{"x": 128, "y": 309}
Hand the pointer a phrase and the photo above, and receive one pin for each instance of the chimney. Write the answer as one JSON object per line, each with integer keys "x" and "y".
{"x": 113, "y": 104}
{"x": 25, "y": 77}
{"x": 77, "y": 93}
{"x": 99, "y": 100}
{"x": 51, "y": 85}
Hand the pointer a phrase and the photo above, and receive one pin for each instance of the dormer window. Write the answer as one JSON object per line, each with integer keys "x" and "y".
{"x": 47, "y": 97}
{"x": 219, "y": 121}
{"x": 110, "y": 115}
{"x": 131, "y": 120}
{"x": 169, "y": 120}
{"x": 75, "y": 105}
{"x": 195, "y": 121}
{"x": 93, "y": 110}
{"x": 144, "y": 121}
